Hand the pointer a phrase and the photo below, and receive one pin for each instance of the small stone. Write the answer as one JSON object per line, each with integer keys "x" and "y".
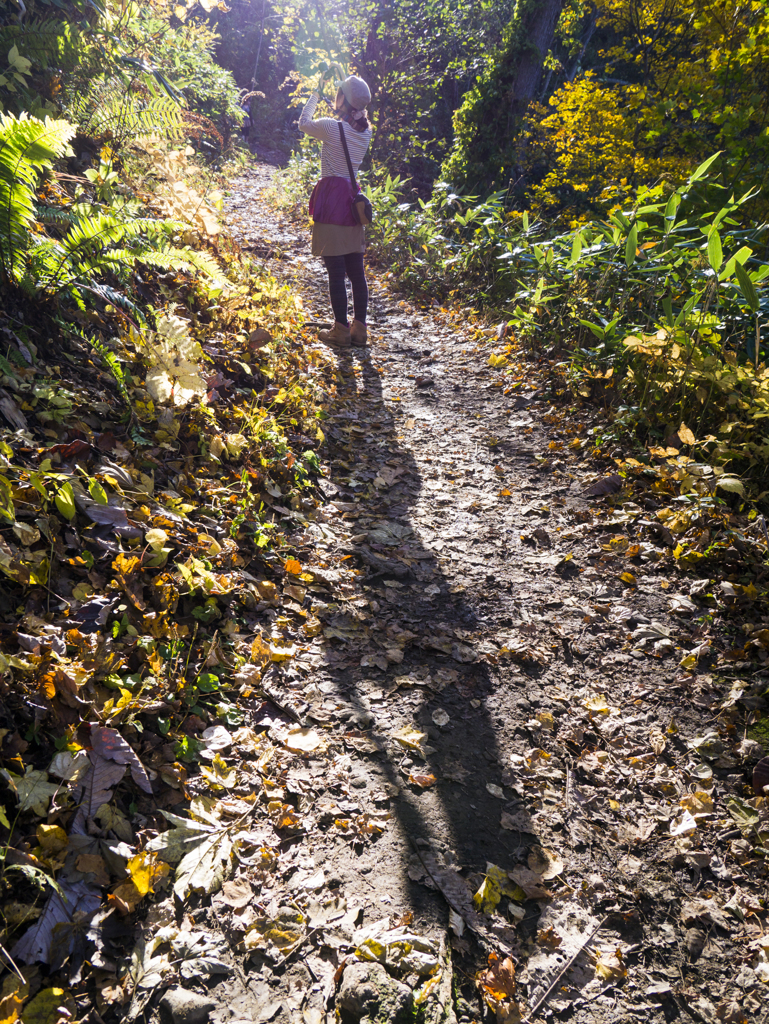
{"x": 358, "y": 781}
{"x": 368, "y": 993}
{"x": 186, "y": 1007}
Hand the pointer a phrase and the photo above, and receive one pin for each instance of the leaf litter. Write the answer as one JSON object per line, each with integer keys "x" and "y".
{"x": 311, "y": 671}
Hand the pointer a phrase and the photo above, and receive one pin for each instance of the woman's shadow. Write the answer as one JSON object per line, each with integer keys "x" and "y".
{"x": 403, "y": 655}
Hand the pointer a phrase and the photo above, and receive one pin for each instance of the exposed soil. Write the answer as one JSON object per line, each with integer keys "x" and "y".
{"x": 471, "y": 594}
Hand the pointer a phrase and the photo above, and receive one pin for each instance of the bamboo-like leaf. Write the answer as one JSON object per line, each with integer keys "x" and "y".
{"x": 631, "y": 245}
{"x": 704, "y": 167}
{"x": 715, "y": 251}
{"x": 65, "y": 501}
{"x": 747, "y": 287}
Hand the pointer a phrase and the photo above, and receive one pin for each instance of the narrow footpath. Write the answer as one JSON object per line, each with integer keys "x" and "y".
{"x": 492, "y": 706}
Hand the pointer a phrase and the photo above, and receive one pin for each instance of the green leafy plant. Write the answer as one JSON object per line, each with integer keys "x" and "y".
{"x": 28, "y": 146}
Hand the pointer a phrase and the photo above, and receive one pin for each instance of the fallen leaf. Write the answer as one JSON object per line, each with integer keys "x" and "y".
{"x": 606, "y": 485}
{"x": 51, "y": 1006}
{"x": 610, "y": 966}
{"x": 498, "y": 988}
{"x": 220, "y": 775}
{"x": 109, "y": 744}
{"x": 423, "y": 781}
{"x": 145, "y": 871}
{"x": 410, "y": 738}
{"x": 33, "y": 790}
{"x": 544, "y": 862}
{"x": 303, "y": 741}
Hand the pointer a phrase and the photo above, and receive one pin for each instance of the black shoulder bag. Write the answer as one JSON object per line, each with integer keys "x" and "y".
{"x": 361, "y": 207}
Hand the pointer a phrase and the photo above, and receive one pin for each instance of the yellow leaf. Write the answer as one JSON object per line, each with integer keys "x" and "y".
{"x": 488, "y": 896}
{"x": 145, "y": 871}
{"x": 629, "y": 578}
{"x": 686, "y": 435}
{"x": 610, "y": 967}
{"x": 156, "y": 539}
{"x": 597, "y": 703}
{"x": 12, "y": 996}
{"x": 49, "y": 1007}
{"x": 220, "y": 775}
{"x": 52, "y": 838}
{"x": 282, "y": 653}
{"x": 410, "y": 738}
{"x": 260, "y": 652}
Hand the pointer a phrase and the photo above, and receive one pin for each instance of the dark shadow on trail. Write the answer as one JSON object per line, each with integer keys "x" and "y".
{"x": 408, "y": 659}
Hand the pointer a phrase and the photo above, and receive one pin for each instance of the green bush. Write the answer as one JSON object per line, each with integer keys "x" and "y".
{"x": 185, "y": 55}
{"x": 658, "y": 310}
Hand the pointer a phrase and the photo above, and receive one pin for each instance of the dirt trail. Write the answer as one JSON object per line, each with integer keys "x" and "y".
{"x": 473, "y": 604}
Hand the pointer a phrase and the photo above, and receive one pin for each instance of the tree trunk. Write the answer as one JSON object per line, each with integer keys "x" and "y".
{"x": 487, "y": 123}
{"x": 539, "y": 29}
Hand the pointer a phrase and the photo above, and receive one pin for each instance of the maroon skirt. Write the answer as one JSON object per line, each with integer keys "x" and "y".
{"x": 331, "y": 203}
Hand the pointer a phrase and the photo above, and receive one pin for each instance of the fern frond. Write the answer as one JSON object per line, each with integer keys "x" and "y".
{"x": 116, "y": 298}
{"x": 110, "y": 108}
{"x": 27, "y": 147}
{"x": 49, "y": 43}
{"x": 55, "y": 216}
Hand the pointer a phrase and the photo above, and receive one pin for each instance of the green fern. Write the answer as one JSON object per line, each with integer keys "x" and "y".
{"x": 27, "y": 147}
{"x": 111, "y": 108}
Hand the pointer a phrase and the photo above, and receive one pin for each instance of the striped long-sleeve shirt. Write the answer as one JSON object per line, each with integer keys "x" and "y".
{"x": 332, "y": 159}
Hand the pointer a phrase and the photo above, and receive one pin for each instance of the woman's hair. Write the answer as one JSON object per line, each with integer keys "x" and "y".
{"x": 360, "y": 124}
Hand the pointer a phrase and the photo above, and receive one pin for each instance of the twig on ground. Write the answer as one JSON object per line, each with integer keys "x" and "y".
{"x": 566, "y": 967}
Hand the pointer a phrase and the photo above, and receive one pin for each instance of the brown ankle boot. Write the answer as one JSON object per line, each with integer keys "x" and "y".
{"x": 358, "y": 334}
{"x": 338, "y": 336}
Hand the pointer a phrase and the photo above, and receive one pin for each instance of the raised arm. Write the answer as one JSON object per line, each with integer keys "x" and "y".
{"x": 322, "y": 128}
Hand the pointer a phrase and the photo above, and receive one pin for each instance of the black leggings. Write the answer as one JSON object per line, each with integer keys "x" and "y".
{"x": 350, "y": 265}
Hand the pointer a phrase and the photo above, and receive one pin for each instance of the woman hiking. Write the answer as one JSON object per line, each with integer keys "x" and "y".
{"x": 337, "y": 236}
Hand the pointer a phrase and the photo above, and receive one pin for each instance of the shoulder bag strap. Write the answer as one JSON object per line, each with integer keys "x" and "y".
{"x": 349, "y": 161}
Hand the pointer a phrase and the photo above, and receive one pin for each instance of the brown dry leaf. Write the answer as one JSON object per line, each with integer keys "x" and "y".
{"x": 237, "y": 893}
{"x": 531, "y": 883}
{"x": 607, "y": 485}
{"x": 697, "y": 804}
{"x": 92, "y": 863}
{"x": 730, "y": 1011}
{"x": 497, "y": 986}
{"x": 549, "y": 938}
{"x": 610, "y": 966}
{"x": 423, "y": 781}
{"x": 544, "y": 862}
{"x": 303, "y": 741}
